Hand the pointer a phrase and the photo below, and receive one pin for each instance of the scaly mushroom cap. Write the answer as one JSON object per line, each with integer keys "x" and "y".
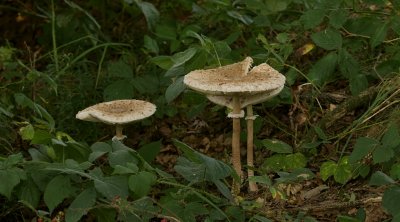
{"x": 235, "y": 79}
{"x": 117, "y": 111}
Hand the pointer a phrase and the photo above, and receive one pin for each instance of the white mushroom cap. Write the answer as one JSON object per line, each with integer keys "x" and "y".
{"x": 235, "y": 79}
{"x": 117, "y": 111}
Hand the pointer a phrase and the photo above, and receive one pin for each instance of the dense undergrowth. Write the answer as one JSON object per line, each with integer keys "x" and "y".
{"x": 335, "y": 123}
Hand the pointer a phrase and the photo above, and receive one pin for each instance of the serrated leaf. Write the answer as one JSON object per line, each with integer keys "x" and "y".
{"x": 57, "y": 190}
{"x": 295, "y": 161}
{"x": 276, "y": 5}
{"x": 328, "y": 39}
{"x": 277, "y": 146}
{"x": 29, "y": 192}
{"x": 120, "y": 69}
{"x": 362, "y": 148}
{"x": 348, "y": 65}
{"x": 151, "y": 44}
{"x": 27, "y": 132}
{"x": 323, "y": 70}
{"x": 81, "y": 205}
{"x": 382, "y": 154}
{"x": 327, "y": 169}
{"x": 121, "y": 157}
{"x": 111, "y": 187}
{"x": 175, "y": 89}
{"x": 338, "y": 17}
{"x": 141, "y": 183}
{"x": 10, "y": 180}
{"x": 395, "y": 171}
{"x": 379, "y": 35}
{"x": 379, "y": 178}
{"x": 120, "y": 89}
{"x": 391, "y": 138}
{"x": 312, "y": 18}
{"x": 358, "y": 83}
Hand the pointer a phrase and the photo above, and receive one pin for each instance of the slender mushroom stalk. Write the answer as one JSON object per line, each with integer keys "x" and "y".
{"x": 250, "y": 151}
{"x": 237, "y": 86}
{"x": 236, "y": 143}
{"x": 118, "y": 132}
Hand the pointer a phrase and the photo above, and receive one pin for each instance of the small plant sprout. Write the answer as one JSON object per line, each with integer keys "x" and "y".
{"x": 118, "y": 113}
{"x": 237, "y": 86}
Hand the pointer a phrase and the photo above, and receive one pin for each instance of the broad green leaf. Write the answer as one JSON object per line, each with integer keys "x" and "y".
{"x": 175, "y": 89}
{"x": 342, "y": 218}
{"x": 175, "y": 71}
{"x": 358, "y": 83}
{"x": 111, "y": 187}
{"x": 120, "y": 69}
{"x": 328, "y": 39}
{"x": 379, "y": 178}
{"x": 379, "y": 35}
{"x": 164, "y": 62}
{"x": 150, "y": 150}
{"x": 98, "y": 150}
{"x": 396, "y": 21}
{"x": 312, "y": 18}
{"x": 277, "y": 146}
{"x": 151, "y": 44}
{"x": 395, "y": 171}
{"x": 57, "y": 190}
{"x": 274, "y": 163}
{"x": 261, "y": 179}
{"x": 382, "y": 154}
{"x": 29, "y": 192}
{"x": 260, "y": 218}
{"x": 104, "y": 214}
{"x": 338, "y": 17}
{"x": 362, "y": 148}
{"x": 27, "y": 132}
{"x": 276, "y": 5}
{"x": 192, "y": 210}
{"x": 121, "y": 157}
{"x": 295, "y": 161}
{"x": 150, "y": 13}
{"x": 142, "y": 183}
{"x": 391, "y": 138}
{"x": 343, "y": 173}
{"x": 327, "y": 169}
{"x": 366, "y": 26}
{"x": 10, "y": 179}
{"x": 120, "y": 89}
{"x": 391, "y": 200}
{"x": 323, "y": 70}
{"x": 166, "y": 31}
{"x": 130, "y": 168}
{"x": 320, "y": 133}
{"x": 348, "y": 65}
{"x": 241, "y": 17}
{"x": 223, "y": 189}
{"x": 181, "y": 57}
{"x": 81, "y": 205}
{"x": 148, "y": 84}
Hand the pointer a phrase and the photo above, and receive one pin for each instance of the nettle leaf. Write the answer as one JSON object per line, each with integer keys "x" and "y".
{"x": 312, "y": 18}
{"x": 10, "y": 178}
{"x": 343, "y": 173}
{"x": 29, "y": 192}
{"x": 338, "y": 17}
{"x": 81, "y": 205}
{"x": 328, "y": 39}
{"x": 323, "y": 70}
{"x": 362, "y": 148}
{"x": 120, "y": 89}
{"x": 391, "y": 138}
{"x": 358, "y": 83}
{"x": 382, "y": 154}
{"x": 277, "y": 146}
{"x": 395, "y": 171}
{"x": 120, "y": 69}
{"x": 276, "y": 5}
{"x": 379, "y": 178}
{"x": 348, "y": 65}
{"x": 295, "y": 161}
{"x": 141, "y": 183}
{"x": 112, "y": 186}
{"x": 57, "y": 190}
{"x": 391, "y": 200}
{"x": 327, "y": 169}
{"x": 379, "y": 35}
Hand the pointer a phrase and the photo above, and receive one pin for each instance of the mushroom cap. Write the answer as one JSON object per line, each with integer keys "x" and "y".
{"x": 117, "y": 111}
{"x": 236, "y": 79}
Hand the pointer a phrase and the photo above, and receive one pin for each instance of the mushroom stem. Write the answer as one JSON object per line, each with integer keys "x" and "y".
{"x": 118, "y": 132}
{"x": 250, "y": 151}
{"x": 236, "y": 144}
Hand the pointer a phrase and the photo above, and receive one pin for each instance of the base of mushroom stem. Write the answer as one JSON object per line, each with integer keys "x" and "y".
{"x": 119, "y": 138}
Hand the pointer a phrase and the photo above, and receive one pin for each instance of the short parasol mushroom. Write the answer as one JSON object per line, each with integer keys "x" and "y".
{"x": 237, "y": 86}
{"x": 118, "y": 113}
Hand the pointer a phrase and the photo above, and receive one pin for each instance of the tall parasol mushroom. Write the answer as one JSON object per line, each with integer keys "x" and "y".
{"x": 118, "y": 113}
{"x": 237, "y": 86}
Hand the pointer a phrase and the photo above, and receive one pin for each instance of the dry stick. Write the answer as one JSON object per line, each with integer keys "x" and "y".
{"x": 250, "y": 151}
{"x": 236, "y": 144}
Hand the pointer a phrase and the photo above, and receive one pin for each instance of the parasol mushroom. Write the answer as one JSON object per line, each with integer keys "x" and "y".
{"x": 118, "y": 113}
{"x": 237, "y": 86}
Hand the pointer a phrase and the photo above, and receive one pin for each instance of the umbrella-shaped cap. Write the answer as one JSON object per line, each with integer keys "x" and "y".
{"x": 235, "y": 79}
{"x": 117, "y": 111}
